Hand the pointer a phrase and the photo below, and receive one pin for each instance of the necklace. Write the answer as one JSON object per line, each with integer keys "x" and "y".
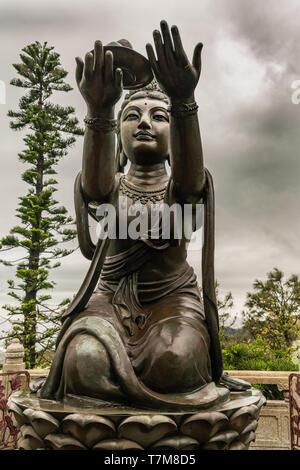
{"x": 139, "y": 195}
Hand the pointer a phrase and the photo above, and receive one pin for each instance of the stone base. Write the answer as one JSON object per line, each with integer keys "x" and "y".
{"x": 47, "y": 424}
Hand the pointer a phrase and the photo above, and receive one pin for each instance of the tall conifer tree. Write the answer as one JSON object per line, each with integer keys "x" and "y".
{"x": 45, "y": 226}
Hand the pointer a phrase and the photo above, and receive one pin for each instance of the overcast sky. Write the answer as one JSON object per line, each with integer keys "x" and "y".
{"x": 250, "y": 128}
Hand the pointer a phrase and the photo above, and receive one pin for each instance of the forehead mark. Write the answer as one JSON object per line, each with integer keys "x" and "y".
{"x": 146, "y": 103}
{"x": 158, "y": 106}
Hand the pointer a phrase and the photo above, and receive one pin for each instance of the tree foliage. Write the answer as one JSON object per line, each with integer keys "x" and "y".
{"x": 255, "y": 354}
{"x": 270, "y": 327}
{"x": 273, "y": 310}
{"x": 45, "y": 226}
{"x": 225, "y": 305}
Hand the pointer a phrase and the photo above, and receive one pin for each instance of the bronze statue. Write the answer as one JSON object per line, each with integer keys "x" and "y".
{"x": 143, "y": 338}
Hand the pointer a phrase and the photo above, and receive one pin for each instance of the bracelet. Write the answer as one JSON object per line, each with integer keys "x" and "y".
{"x": 101, "y": 124}
{"x": 180, "y": 110}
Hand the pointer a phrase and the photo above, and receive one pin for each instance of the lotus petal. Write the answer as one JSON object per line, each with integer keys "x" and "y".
{"x": 248, "y": 437}
{"x": 24, "y": 444}
{"x": 33, "y": 438}
{"x": 17, "y": 413}
{"x": 117, "y": 444}
{"x": 88, "y": 429}
{"x": 242, "y": 418}
{"x": 220, "y": 441}
{"x": 63, "y": 442}
{"x": 250, "y": 427}
{"x": 43, "y": 423}
{"x": 177, "y": 443}
{"x": 146, "y": 429}
{"x": 237, "y": 445}
{"x": 202, "y": 426}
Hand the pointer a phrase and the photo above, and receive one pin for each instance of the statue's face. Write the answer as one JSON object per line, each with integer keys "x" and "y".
{"x": 145, "y": 131}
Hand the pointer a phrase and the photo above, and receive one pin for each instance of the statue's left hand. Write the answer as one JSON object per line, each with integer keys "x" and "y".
{"x": 172, "y": 69}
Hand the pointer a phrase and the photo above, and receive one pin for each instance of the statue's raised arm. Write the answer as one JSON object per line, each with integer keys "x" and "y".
{"x": 178, "y": 78}
{"x": 101, "y": 87}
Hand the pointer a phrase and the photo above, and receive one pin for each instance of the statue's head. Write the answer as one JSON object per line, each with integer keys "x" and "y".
{"x": 143, "y": 127}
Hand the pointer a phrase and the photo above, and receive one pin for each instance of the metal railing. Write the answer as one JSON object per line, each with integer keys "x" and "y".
{"x": 10, "y": 382}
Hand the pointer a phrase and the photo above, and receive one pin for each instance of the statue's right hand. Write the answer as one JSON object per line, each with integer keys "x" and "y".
{"x": 100, "y": 86}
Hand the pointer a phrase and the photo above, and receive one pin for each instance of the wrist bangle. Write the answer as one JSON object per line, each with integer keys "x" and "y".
{"x": 180, "y": 110}
{"x": 101, "y": 124}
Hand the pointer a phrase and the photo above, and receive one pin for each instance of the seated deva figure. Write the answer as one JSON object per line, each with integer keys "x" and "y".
{"x": 142, "y": 337}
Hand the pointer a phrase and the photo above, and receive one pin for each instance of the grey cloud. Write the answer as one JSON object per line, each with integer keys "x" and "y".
{"x": 271, "y": 30}
{"x": 12, "y": 19}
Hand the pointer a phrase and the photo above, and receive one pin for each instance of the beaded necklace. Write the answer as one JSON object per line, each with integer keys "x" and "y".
{"x": 139, "y": 195}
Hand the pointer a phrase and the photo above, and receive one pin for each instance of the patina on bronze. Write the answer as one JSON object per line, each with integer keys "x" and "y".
{"x": 143, "y": 337}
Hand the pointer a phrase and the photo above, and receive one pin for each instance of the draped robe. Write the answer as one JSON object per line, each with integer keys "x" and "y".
{"x": 140, "y": 341}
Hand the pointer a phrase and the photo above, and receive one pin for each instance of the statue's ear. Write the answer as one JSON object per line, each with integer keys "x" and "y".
{"x": 123, "y": 160}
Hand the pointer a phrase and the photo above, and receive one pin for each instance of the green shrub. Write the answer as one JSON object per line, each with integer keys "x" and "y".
{"x": 256, "y": 355}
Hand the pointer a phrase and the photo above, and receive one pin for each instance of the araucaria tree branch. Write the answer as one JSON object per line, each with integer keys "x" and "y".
{"x": 51, "y": 131}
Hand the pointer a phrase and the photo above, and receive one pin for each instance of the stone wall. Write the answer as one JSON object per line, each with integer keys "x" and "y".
{"x": 273, "y": 431}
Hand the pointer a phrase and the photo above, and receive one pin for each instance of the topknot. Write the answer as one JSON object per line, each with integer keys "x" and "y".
{"x": 152, "y": 90}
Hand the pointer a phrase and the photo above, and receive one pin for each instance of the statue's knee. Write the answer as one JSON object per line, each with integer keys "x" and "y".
{"x": 88, "y": 370}
{"x": 178, "y": 358}
{"x": 179, "y": 340}
{"x": 86, "y": 357}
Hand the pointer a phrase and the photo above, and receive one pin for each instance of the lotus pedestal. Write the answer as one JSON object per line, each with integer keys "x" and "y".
{"x": 47, "y": 424}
